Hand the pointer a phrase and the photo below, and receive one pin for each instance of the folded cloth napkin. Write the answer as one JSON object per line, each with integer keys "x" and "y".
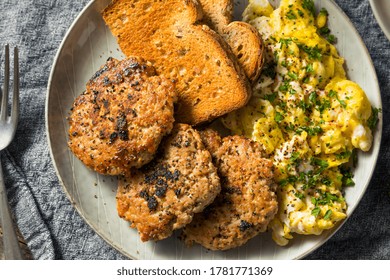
{"x": 49, "y": 223}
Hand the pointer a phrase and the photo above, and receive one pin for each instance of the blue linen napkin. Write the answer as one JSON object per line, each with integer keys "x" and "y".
{"x": 52, "y": 227}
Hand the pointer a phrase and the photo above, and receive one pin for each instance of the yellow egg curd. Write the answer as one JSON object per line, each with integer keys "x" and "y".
{"x": 307, "y": 115}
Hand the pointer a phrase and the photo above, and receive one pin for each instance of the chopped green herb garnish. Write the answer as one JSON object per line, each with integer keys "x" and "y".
{"x": 323, "y": 12}
{"x": 313, "y": 52}
{"x": 313, "y": 97}
{"x": 302, "y": 104}
{"x": 325, "y": 32}
{"x": 271, "y": 97}
{"x": 284, "y": 87}
{"x": 326, "y": 198}
{"x": 314, "y": 130}
{"x": 326, "y": 181}
{"x": 295, "y": 157}
{"x": 311, "y": 130}
{"x": 323, "y": 106}
{"x": 316, "y": 211}
{"x": 331, "y": 38}
{"x": 279, "y": 117}
{"x": 342, "y": 103}
{"x": 285, "y": 41}
{"x": 290, "y": 15}
{"x": 308, "y": 180}
{"x": 333, "y": 93}
{"x": 289, "y": 127}
{"x": 288, "y": 180}
{"x": 282, "y": 104}
{"x": 292, "y": 91}
{"x": 309, "y": 5}
{"x": 293, "y": 75}
{"x": 328, "y": 214}
{"x": 347, "y": 180}
{"x": 269, "y": 70}
{"x": 309, "y": 68}
{"x": 323, "y": 164}
{"x": 343, "y": 155}
{"x": 374, "y": 118}
{"x": 299, "y": 195}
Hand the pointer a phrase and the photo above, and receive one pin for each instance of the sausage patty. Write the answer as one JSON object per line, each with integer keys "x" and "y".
{"x": 247, "y": 202}
{"x": 164, "y": 195}
{"x": 119, "y": 121}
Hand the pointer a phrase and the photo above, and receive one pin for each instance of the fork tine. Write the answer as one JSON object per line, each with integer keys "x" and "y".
{"x": 15, "y": 103}
{"x": 4, "y": 100}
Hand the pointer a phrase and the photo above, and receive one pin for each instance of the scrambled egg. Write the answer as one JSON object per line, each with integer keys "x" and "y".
{"x": 309, "y": 118}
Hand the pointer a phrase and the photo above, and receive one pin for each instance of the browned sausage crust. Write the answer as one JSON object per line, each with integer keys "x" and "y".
{"x": 164, "y": 195}
{"x": 247, "y": 202}
{"x": 119, "y": 121}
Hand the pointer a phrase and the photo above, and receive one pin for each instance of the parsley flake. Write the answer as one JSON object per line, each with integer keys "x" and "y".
{"x": 309, "y": 5}
{"x": 333, "y": 93}
{"x": 316, "y": 211}
{"x": 309, "y": 68}
{"x": 299, "y": 195}
{"x": 328, "y": 214}
{"x": 374, "y": 118}
{"x": 278, "y": 117}
{"x": 324, "y": 12}
{"x": 271, "y": 97}
{"x": 290, "y": 15}
{"x": 314, "y": 53}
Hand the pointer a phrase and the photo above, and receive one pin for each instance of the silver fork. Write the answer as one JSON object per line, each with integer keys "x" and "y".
{"x": 8, "y": 123}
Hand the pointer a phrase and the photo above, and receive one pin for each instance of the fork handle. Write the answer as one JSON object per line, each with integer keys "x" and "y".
{"x": 12, "y": 249}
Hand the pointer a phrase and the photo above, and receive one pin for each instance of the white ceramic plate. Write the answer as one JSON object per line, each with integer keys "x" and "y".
{"x": 381, "y": 9}
{"x": 86, "y": 46}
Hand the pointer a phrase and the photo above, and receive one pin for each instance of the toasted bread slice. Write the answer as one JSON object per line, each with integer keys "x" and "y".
{"x": 247, "y": 45}
{"x": 243, "y": 39}
{"x": 209, "y": 80}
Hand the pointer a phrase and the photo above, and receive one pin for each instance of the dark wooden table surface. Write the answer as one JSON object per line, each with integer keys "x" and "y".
{"x": 26, "y": 252}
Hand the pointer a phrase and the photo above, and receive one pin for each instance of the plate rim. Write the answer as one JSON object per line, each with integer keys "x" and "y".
{"x": 48, "y": 137}
{"x": 377, "y": 14}
{"x": 377, "y": 136}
